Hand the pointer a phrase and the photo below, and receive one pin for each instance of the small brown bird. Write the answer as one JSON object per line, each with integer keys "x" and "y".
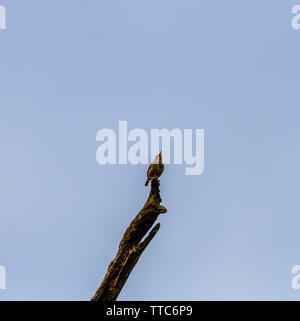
{"x": 155, "y": 169}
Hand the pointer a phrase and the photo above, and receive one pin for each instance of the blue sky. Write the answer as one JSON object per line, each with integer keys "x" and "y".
{"x": 69, "y": 68}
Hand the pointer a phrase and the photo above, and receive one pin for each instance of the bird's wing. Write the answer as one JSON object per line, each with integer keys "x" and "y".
{"x": 150, "y": 171}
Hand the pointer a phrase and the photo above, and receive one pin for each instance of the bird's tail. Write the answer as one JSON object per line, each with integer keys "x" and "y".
{"x": 147, "y": 182}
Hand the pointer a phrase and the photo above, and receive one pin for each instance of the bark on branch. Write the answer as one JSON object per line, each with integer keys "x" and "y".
{"x": 131, "y": 247}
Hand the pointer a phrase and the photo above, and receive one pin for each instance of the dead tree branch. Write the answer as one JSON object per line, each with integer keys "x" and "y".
{"x": 131, "y": 247}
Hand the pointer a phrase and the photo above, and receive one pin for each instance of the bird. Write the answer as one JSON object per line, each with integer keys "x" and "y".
{"x": 155, "y": 169}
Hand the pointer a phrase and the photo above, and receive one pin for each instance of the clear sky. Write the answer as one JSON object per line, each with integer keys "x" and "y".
{"x": 71, "y": 67}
